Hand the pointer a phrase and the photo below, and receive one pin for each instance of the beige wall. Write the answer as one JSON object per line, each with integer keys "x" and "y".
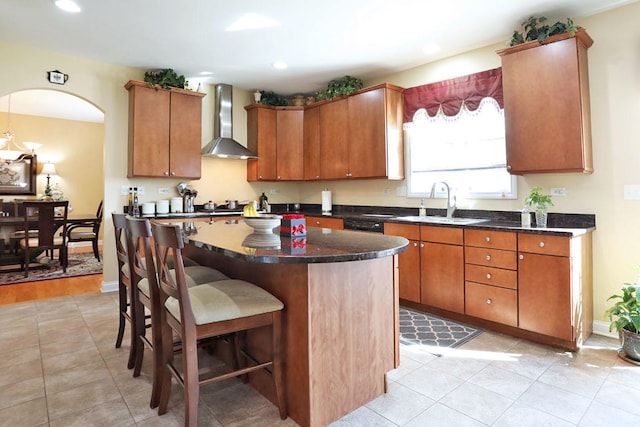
{"x": 615, "y": 93}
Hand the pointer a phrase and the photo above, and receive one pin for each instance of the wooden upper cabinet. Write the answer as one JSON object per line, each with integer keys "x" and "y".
{"x": 546, "y": 105}
{"x": 276, "y": 135}
{"x": 311, "y": 143}
{"x": 334, "y": 139}
{"x": 164, "y": 132}
{"x": 289, "y": 138}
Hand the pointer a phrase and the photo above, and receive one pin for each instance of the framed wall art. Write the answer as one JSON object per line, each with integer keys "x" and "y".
{"x": 18, "y": 176}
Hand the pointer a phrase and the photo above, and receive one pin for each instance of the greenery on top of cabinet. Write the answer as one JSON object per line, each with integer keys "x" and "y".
{"x": 533, "y": 32}
{"x": 166, "y": 79}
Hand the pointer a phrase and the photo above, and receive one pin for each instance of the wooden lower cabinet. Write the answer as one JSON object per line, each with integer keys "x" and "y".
{"x": 325, "y": 222}
{"x": 408, "y": 261}
{"x": 492, "y": 303}
{"x": 442, "y": 268}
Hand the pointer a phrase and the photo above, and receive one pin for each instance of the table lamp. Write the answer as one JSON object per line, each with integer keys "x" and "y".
{"x": 48, "y": 169}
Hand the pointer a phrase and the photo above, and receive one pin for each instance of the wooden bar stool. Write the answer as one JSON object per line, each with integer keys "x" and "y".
{"x": 206, "y": 311}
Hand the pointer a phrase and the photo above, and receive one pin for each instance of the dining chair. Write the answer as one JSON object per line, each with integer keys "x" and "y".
{"x": 51, "y": 217}
{"x": 206, "y": 311}
{"x": 145, "y": 298}
{"x": 87, "y": 231}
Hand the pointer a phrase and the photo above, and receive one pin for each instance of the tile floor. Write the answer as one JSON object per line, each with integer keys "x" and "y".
{"x": 59, "y": 367}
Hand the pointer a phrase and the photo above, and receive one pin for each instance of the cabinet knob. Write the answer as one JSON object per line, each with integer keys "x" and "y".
{"x": 173, "y": 173}
{"x": 488, "y": 257}
{"x": 317, "y": 222}
{"x": 488, "y": 239}
{"x": 260, "y": 177}
{"x": 278, "y": 177}
{"x": 348, "y": 174}
{"x": 317, "y": 176}
{"x": 521, "y": 256}
{"x": 542, "y": 244}
{"x": 488, "y": 275}
{"x": 415, "y": 245}
{"x": 166, "y": 173}
{"x": 489, "y": 301}
{"x": 508, "y": 167}
{"x": 422, "y": 245}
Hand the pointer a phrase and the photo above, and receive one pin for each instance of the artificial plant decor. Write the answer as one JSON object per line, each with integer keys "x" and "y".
{"x": 540, "y": 203}
{"x": 165, "y": 78}
{"x": 340, "y": 87}
{"x": 271, "y": 98}
{"x": 539, "y": 33}
{"x": 624, "y": 316}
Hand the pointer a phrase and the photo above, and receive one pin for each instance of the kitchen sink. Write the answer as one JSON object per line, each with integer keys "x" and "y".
{"x": 440, "y": 220}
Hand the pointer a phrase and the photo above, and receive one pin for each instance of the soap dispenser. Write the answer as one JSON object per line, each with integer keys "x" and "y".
{"x": 422, "y": 211}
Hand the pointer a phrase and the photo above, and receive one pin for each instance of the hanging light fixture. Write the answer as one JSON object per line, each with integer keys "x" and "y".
{"x": 7, "y": 141}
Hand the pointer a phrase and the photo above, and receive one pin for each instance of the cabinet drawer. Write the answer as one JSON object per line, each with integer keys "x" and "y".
{"x": 411, "y": 232}
{"x": 491, "y": 276}
{"x": 325, "y": 222}
{"x": 491, "y": 257}
{"x": 491, "y": 303}
{"x": 490, "y": 239}
{"x": 450, "y": 235}
{"x": 544, "y": 244}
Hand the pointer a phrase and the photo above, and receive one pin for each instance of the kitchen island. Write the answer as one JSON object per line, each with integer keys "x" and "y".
{"x": 340, "y": 292}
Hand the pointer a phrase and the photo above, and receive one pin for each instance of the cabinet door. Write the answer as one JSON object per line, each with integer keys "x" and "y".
{"x": 442, "y": 275}
{"x": 289, "y": 158}
{"x": 544, "y": 295}
{"x": 367, "y": 135}
{"x": 261, "y": 139}
{"x": 311, "y": 138}
{"x": 185, "y": 160}
{"x": 325, "y": 222}
{"x": 149, "y": 113}
{"x": 334, "y": 140}
{"x": 409, "y": 276}
{"x": 546, "y": 106}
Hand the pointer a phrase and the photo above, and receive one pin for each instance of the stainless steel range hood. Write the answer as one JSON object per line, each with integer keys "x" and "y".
{"x": 223, "y": 145}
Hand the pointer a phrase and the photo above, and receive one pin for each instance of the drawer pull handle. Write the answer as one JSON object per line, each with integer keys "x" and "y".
{"x": 488, "y": 239}
{"x": 422, "y": 245}
{"x": 521, "y": 256}
{"x": 415, "y": 245}
{"x": 542, "y": 244}
{"x": 488, "y": 275}
{"x": 317, "y": 222}
{"x": 488, "y": 257}
{"x": 489, "y": 301}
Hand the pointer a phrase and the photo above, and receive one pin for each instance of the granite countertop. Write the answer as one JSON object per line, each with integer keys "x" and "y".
{"x": 235, "y": 239}
{"x": 564, "y": 224}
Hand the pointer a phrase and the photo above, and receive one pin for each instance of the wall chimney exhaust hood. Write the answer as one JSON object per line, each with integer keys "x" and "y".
{"x": 223, "y": 145}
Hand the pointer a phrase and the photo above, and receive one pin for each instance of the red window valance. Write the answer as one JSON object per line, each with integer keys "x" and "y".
{"x": 450, "y": 94}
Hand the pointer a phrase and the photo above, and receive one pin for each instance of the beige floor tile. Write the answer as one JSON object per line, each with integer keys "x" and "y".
{"x": 20, "y": 372}
{"x": 13, "y": 394}
{"x": 440, "y": 415}
{"x": 599, "y": 415}
{"x": 560, "y": 403}
{"x": 477, "y": 402}
{"x": 400, "y": 404}
{"x": 582, "y": 379}
{"x": 526, "y": 416}
{"x": 502, "y": 381}
{"x": 82, "y": 397}
{"x": 236, "y": 403}
{"x": 615, "y": 395}
{"x": 113, "y": 413}
{"x": 28, "y": 414}
{"x": 10, "y": 356}
{"x": 430, "y": 382}
{"x": 72, "y": 359}
{"x": 362, "y": 416}
{"x": 76, "y": 376}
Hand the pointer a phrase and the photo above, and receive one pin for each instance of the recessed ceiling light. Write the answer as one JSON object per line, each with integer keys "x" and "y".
{"x": 279, "y": 65}
{"x": 68, "y": 6}
{"x": 252, "y": 21}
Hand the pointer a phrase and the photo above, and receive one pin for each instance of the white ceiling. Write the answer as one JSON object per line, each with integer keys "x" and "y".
{"x": 319, "y": 40}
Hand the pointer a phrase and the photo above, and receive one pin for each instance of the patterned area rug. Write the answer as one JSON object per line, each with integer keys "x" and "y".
{"x": 80, "y": 264}
{"x": 425, "y": 329}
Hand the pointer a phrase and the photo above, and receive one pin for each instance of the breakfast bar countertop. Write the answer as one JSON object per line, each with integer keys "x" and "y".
{"x": 235, "y": 239}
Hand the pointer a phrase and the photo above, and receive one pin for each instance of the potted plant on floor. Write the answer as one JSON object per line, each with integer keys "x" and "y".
{"x": 625, "y": 318}
{"x": 540, "y": 203}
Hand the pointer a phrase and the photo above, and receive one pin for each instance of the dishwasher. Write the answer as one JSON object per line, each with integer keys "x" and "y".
{"x": 375, "y": 225}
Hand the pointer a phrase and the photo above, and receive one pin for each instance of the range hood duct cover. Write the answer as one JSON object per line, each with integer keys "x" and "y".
{"x": 223, "y": 145}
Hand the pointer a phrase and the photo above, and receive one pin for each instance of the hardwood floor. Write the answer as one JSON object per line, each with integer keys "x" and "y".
{"x": 53, "y": 288}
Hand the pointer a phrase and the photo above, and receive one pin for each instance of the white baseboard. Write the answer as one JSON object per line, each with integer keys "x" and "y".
{"x": 601, "y": 327}
{"x": 109, "y": 286}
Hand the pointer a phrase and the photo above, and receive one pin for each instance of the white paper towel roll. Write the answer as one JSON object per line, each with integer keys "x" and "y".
{"x": 326, "y": 201}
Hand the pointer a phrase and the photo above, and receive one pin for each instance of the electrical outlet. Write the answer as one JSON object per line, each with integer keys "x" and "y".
{"x": 124, "y": 190}
{"x": 559, "y": 191}
{"x": 163, "y": 190}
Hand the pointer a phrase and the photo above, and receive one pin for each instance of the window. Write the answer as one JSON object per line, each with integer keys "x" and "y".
{"x": 466, "y": 150}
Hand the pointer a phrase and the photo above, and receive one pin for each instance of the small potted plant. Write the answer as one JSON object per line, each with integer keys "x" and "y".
{"x": 540, "y": 203}
{"x": 624, "y": 315}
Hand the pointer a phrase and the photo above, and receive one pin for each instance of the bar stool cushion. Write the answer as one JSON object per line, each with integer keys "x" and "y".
{"x": 225, "y": 300}
{"x": 195, "y": 275}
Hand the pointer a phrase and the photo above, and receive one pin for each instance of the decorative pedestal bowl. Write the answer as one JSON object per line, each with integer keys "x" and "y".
{"x": 263, "y": 224}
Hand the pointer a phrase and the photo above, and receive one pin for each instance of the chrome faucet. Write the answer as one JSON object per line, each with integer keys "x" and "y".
{"x": 451, "y": 207}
